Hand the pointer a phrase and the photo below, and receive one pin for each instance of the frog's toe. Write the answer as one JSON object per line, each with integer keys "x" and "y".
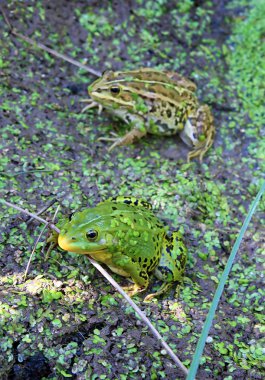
{"x": 200, "y": 149}
{"x": 196, "y": 153}
{"x": 115, "y": 139}
{"x": 117, "y": 142}
{"x": 164, "y": 288}
{"x": 91, "y": 104}
{"x": 134, "y": 289}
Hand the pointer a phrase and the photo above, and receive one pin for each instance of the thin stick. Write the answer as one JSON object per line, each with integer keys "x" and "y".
{"x": 33, "y": 251}
{"x": 51, "y": 225}
{"x": 141, "y": 314}
{"x": 41, "y": 211}
{"x": 52, "y": 244}
{"x": 116, "y": 286}
{"x": 41, "y": 233}
{"x": 41, "y": 46}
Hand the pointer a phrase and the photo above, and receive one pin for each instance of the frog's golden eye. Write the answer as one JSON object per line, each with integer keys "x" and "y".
{"x": 115, "y": 90}
{"x": 91, "y": 235}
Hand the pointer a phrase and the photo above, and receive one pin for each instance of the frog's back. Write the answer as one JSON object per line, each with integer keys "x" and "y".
{"x": 137, "y": 231}
{"x": 150, "y": 75}
{"x": 156, "y": 84}
{"x": 128, "y": 212}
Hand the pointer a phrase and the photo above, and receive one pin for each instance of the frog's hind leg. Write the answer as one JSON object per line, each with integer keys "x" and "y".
{"x": 199, "y": 132}
{"x": 126, "y": 267}
{"x": 171, "y": 265}
{"x": 205, "y": 132}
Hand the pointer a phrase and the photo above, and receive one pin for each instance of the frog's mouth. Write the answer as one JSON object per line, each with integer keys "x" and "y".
{"x": 72, "y": 246}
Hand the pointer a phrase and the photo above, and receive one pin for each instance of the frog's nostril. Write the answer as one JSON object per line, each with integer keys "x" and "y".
{"x": 73, "y": 238}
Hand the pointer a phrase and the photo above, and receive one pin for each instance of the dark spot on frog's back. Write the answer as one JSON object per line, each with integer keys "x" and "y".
{"x": 177, "y": 121}
{"x": 169, "y": 113}
{"x": 153, "y": 109}
{"x": 181, "y": 248}
{"x": 183, "y": 261}
{"x": 169, "y": 248}
{"x": 143, "y": 275}
{"x": 114, "y": 208}
{"x": 128, "y": 119}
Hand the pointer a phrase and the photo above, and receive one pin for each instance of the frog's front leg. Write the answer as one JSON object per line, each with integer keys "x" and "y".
{"x": 129, "y": 138}
{"x": 91, "y": 104}
{"x": 138, "y": 275}
{"x": 199, "y": 132}
{"x": 136, "y": 133}
{"x": 171, "y": 265}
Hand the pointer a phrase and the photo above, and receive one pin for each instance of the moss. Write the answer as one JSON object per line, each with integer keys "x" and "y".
{"x": 50, "y": 150}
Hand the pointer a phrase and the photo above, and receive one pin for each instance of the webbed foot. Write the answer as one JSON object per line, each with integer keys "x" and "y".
{"x": 199, "y": 132}
{"x": 127, "y": 139}
{"x": 134, "y": 289}
{"x": 205, "y": 131}
{"x": 91, "y": 104}
{"x": 164, "y": 288}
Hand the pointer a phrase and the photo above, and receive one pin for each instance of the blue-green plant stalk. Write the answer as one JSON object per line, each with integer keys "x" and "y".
{"x": 219, "y": 291}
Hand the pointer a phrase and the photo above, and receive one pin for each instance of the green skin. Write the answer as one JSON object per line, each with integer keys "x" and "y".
{"x": 124, "y": 234}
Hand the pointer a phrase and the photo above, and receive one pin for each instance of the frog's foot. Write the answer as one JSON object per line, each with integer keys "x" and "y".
{"x": 114, "y": 138}
{"x": 199, "y": 132}
{"x": 134, "y": 289}
{"x": 91, "y": 104}
{"x": 127, "y": 139}
{"x": 51, "y": 243}
{"x": 52, "y": 238}
{"x": 165, "y": 287}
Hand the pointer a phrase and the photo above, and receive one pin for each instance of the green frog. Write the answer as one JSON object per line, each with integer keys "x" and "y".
{"x": 124, "y": 234}
{"x": 155, "y": 102}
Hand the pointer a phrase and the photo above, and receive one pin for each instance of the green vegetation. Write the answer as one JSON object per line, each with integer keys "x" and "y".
{"x": 65, "y": 312}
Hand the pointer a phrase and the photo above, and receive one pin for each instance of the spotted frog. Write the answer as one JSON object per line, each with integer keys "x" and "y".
{"x": 124, "y": 234}
{"x": 155, "y": 102}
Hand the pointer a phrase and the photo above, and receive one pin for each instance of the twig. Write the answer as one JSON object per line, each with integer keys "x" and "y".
{"x": 33, "y": 251}
{"x": 51, "y": 225}
{"x": 41, "y": 233}
{"x": 45, "y": 208}
{"x": 41, "y": 46}
{"x": 116, "y": 286}
{"x": 141, "y": 314}
{"x": 52, "y": 244}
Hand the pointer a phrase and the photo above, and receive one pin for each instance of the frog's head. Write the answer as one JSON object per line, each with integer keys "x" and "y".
{"x": 85, "y": 233}
{"x": 116, "y": 90}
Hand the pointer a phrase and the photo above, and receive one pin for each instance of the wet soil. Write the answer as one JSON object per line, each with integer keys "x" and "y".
{"x": 49, "y": 150}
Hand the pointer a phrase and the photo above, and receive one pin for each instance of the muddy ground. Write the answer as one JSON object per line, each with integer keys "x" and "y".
{"x": 65, "y": 320}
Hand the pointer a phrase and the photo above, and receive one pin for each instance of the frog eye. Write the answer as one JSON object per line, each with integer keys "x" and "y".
{"x": 92, "y": 235}
{"x": 115, "y": 90}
